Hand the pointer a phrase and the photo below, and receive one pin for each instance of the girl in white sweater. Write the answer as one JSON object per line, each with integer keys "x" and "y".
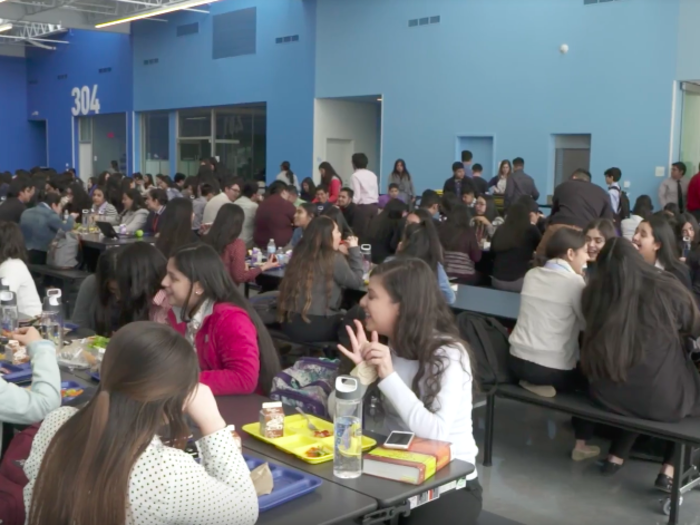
{"x": 425, "y": 376}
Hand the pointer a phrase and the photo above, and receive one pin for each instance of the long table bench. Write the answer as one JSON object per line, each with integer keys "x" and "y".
{"x": 685, "y": 432}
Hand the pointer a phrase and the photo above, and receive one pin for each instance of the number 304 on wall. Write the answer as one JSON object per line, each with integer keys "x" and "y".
{"x": 85, "y": 100}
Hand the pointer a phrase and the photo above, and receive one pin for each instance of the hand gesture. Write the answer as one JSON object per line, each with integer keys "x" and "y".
{"x": 270, "y": 264}
{"x": 26, "y": 336}
{"x": 352, "y": 241}
{"x": 371, "y": 352}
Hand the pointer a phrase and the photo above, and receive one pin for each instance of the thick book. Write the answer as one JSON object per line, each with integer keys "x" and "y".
{"x": 420, "y": 462}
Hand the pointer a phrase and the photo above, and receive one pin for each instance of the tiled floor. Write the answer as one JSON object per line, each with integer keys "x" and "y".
{"x": 533, "y": 481}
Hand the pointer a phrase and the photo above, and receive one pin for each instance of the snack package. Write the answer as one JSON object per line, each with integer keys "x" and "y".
{"x": 272, "y": 420}
{"x": 81, "y": 353}
{"x": 16, "y": 352}
{"x": 262, "y": 480}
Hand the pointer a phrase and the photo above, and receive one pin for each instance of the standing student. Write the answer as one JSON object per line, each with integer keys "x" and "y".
{"x": 156, "y": 199}
{"x": 331, "y": 179}
{"x": 656, "y": 242}
{"x": 424, "y": 373}
{"x": 462, "y": 250}
{"x": 633, "y": 349}
{"x": 518, "y": 184}
{"x": 19, "y": 194}
{"x": 618, "y": 201}
{"x": 675, "y": 188}
{"x": 286, "y": 175}
{"x": 176, "y": 227}
{"x": 643, "y": 208}
{"x": 102, "y": 209}
{"x": 311, "y": 291}
{"x": 486, "y": 218}
{"x": 513, "y": 246}
{"x": 544, "y": 345}
{"x": 459, "y": 183}
{"x": 40, "y": 225}
{"x": 347, "y": 206}
{"x": 498, "y": 183}
{"x": 366, "y": 195}
{"x": 480, "y": 184}
{"x": 135, "y": 214}
{"x": 234, "y": 349}
{"x": 14, "y": 271}
{"x": 693, "y": 196}
{"x": 148, "y": 380}
{"x": 308, "y": 190}
{"x": 386, "y": 229}
{"x": 274, "y": 218}
{"x": 401, "y": 176}
{"x": 225, "y": 237}
{"x": 467, "y": 158}
{"x": 302, "y": 218}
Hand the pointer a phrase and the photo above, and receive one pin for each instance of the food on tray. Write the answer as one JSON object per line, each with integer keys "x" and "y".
{"x": 272, "y": 420}
{"x": 71, "y": 392}
{"x": 98, "y": 341}
{"x": 237, "y": 438}
{"x": 262, "y": 480}
{"x": 322, "y": 433}
{"x": 316, "y": 452}
{"x": 18, "y": 352}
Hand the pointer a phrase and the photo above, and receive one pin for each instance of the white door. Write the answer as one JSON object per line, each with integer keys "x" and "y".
{"x": 85, "y": 160}
{"x": 339, "y": 153}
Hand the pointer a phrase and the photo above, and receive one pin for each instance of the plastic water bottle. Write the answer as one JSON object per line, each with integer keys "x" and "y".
{"x": 66, "y": 216}
{"x": 347, "y": 426}
{"x": 4, "y": 284}
{"x": 51, "y": 325}
{"x": 280, "y": 256}
{"x": 10, "y": 314}
{"x": 271, "y": 249}
{"x": 366, "y": 251}
{"x": 686, "y": 247}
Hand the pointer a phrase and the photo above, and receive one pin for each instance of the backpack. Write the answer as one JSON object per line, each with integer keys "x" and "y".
{"x": 265, "y": 304}
{"x": 488, "y": 340}
{"x": 63, "y": 251}
{"x": 306, "y": 385}
{"x": 12, "y": 477}
{"x": 623, "y": 210}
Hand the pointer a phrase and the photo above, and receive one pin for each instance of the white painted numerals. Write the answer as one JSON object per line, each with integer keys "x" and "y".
{"x": 85, "y": 101}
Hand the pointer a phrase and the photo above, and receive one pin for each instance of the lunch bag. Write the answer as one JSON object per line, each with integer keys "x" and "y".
{"x": 306, "y": 385}
{"x": 12, "y": 478}
{"x": 265, "y": 304}
{"x": 488, "y": 340}
{"x": 64, "y": 251}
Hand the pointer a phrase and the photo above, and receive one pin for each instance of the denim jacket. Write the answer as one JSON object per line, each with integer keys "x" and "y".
{"x": 39, "y": 226}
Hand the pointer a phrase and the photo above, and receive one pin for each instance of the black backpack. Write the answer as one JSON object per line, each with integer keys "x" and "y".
{"x": 623, "y": 211}
{"x": 488, "y": 340}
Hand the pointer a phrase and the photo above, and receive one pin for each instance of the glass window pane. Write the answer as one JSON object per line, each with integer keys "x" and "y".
{"x": 157, "y": 133}
{"x": 195, "y": 123}
{"x": 85, "y": 124}
{"x": 234, "y": 124}
{"x": 190, "y": 153}
{"x": 236, "y": 158}
{"x": 259, "y": 145}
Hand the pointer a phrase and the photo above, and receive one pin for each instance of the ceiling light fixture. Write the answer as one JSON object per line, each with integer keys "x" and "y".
{"x": 5, "y": 27}
{"x": 170, "y": 8}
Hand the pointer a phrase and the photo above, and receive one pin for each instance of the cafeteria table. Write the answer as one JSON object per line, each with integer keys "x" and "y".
{"x": 101, "y": 243}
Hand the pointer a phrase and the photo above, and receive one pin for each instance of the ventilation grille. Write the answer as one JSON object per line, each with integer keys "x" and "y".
{"x": 105, "y": 70}
{"x": 286, "y": 39}
{"x": 234, "y": 33}
{"x": 188, "y": 29}
{"x": 590, "y": 2}
{"x": 424, "y": 21}
{"x": 150, "y": 61}
{"x": 62, "y": 77}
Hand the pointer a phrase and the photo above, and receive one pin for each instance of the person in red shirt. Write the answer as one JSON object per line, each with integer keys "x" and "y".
{"x": 692, "y": 204}
{"x": 275, "y": 217}
{"x": 234, "y": 349}
{"x": 331, "y": 179}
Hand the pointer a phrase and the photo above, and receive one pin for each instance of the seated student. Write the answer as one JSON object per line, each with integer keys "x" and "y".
{"x": 231, "y": 190}
{"x": 597, "y": 233}
{"x": 480, "y": 184}
{"x": 234, "y": 349}
{"x": 224, "y": 237}
{"x": 102, "y": 209}
{"x": 431, "y": 202}
{"x": 78, "y": 200}
{"x": 687, "y": 233}
{"x": 311, "y": 291}
{"x": 286, "y": 175}
{"x": 14, "y": 271}
{"x": 156, "y": 199}
{"x": 544, "y": 345}
{"x": 180, "y": 184}
{"x": 420, "y": 240}
{"x": 207, "y": 191}
{"x": 462, "y": 250}
{"x": 458, "y": 184}
{"x": 345, "y": 231}
{"x": 346, "y": 205}
{"x": 672, "y": 210}
{"x": 486, "y": 218}
{"x": 469, "y": 196}
{"x": 321, "y": 200}
{"x": 175, "y": 228}
{"x": 148, "y": 380}
{"x": 135, "y": 213}
{"x": 292, "y": 195}
{"x": 642, "y": 210}
{"x": 247, "y": 202}
{"x": 633, "y": 351}
{"x": 308, "y": 190}
{"x": 19, "y": 194}
{"x": 274, "y": 218}
{"x": 125, "y": 288}
{"x": 165, "y": 183}
{"x": 40, "y": 224}
{"x": 513, "y": 246}
{"x": 655, "y": 240}
{"x": 425, "y": 374}
{"x": 20, "y": 405}
{"x": 302, "y": 217}
{"x": 385, "y": 230}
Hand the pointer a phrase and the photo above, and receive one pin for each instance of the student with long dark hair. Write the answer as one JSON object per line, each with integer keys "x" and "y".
{"x": 633, "y": 352}
{"x": 148, "y": 380}
{"x": 336, "y": 214}
{"x": 385, "y": 230}
{"x": 14, "y": 271}
{"x": 225, "y": 237}
{"x": 135, "y": 214}
{"x": 166, "y": 184}
{"x": 308, "y": 190}
{"x": 655, "y": 240}
{"x": 499, "y": 182}
{"x": 401, "y": 176}
{"x": 486, "y": 218}
{"x": 303, "y": 216}
{"x": 234, "y": 349}
{"x": 175, "y": 227}
{"x": 331, "y": 179}
{"x": 425, "y": 374}
{"x": 462, "y": 250}
{"x": 311, "y": 291}
{"x": 286, "y": 175}
{"x": 102, "y": 209}
{"x": 597, "y": 233}
{"x": 643, "y": 208}
{"x": 79, "y": 200}
{"x": 514, "y": 245}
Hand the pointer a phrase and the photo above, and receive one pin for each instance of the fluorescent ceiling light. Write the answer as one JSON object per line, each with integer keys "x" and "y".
{"x": 170, "y": 8}
{"x": 5, "y": 27}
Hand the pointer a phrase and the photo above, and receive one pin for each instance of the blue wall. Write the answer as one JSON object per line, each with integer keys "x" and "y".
{"x": 494, "y": 68}
{"x": 50, "y": 98}
{"x": 282, "y": 75}
{"x": 20, "y": 143}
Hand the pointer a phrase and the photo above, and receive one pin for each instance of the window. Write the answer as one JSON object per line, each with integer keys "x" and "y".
{"x": 156, "y": 143}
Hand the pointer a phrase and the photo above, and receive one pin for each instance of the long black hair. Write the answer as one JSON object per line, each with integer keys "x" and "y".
{"x": 136, "y": 198}
{"x": 201, "y": 264}
{"x": 140, "y": 270}
{"x": 405, "y": 174}
{"x": 328, "y": 173}
{"x": 510, "y": 234}
{"x": 667, "y": 254}
{"x": 227, "y": 227}
{"x": 491, "y": 212}
{"x": 311, "y": 195}
{"x": 384, "y": 225}
{"x": 80, "y": 200}
{"x": 11, "y": 242}
{"x": 175, "y": 226}
{"x": 106, "y": 300}
{"x": 687, "y": 218}
{"x": 455, "y": 228}
{"x": 286, "y": 167}
{"x": 420, "y": 240}
{"x": 627, "y": 302}
{"x": 336, "y": 214}
{"x": 643, "y": 207}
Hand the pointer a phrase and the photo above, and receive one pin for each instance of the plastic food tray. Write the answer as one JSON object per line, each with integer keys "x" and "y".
{"x": 18, "y": 373}
{"x": 288, "y": 484}
{"x": 95, "y": 376}
{"x": 298, "y": 438}
{"x": 70, "y": 384}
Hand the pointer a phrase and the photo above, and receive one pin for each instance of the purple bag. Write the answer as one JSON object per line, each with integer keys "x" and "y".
{"x": 306, "y": 385}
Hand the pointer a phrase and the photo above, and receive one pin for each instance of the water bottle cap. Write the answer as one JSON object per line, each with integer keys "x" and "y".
{"x": 52, "y": 302}
{"x": 8, "y": 298}
{"x": 3, "y": 284}
{"x": 367, "y": 247}
{"x": 347, "y": 388}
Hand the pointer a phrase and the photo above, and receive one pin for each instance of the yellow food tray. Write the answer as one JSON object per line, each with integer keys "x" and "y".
{"x": 298, "y": 439}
